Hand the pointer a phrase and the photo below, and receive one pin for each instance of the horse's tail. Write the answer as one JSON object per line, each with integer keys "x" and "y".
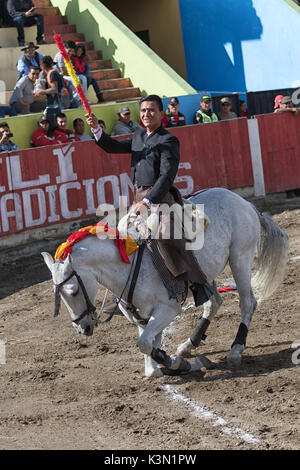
{"x": 273, "y": 250}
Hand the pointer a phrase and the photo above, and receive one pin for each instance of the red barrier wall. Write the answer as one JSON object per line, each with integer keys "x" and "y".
{"x": 220, "y": 153}
{"x": 55, "y": 184}
{"x": 280, "y": 148}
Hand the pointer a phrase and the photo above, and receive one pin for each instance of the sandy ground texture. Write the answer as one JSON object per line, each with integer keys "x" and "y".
{"x": 60, "y": 390}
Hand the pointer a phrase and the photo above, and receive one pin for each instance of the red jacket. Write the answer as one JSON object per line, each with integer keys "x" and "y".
{"x": 39, "y": 139}
{"x": 79, "y": 65}
{"x": 65, "y": 136}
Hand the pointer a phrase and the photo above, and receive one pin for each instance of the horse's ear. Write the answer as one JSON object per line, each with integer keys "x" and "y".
{"x": 68, "y": 261}
{"x": 48, "y": 259}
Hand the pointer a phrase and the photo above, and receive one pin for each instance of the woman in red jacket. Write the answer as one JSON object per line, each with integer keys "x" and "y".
{"x": 82, "y": 69}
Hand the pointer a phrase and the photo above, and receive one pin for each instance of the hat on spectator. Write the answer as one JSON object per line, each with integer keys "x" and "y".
{"x": 225, "y": 100}
{"x": 42, "y": 119}
{"x": 124, "y": 110}
{"x": 174, "y": 100}
{"x": 205, "y": 98}
{"x": 286, "y": 99}
{"x": 277, "y": 100}
{"x": 29, "y": 45}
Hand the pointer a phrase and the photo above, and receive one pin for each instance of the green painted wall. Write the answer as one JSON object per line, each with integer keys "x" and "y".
{"x": 23, "y": 126}
{"x": 136, "y": 60}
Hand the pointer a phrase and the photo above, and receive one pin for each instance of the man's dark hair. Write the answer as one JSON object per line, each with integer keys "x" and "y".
{"x": 76, "y": 120}
{"x": 155, "y": 98}
{"x": 60, "y": 115}
{"x": 70, "y": 44}
{"x": 4, "y": 124}
{"x": 47, "y": 61}
{"x": 33, "y": 67}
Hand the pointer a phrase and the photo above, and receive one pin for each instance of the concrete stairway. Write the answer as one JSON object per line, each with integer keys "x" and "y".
{"x": 114, "y": 87}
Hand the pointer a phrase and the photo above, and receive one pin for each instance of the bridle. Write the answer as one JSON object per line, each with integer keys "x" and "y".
{"x": 90, "y": 307}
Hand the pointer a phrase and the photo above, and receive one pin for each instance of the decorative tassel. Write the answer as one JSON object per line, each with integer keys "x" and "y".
{"x": 71, "y": 72}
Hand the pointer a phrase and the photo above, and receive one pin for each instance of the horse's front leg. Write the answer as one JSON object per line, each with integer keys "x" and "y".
{"x": 149, "y": 342}
{"x": 151, "y": 366}
{"x": 210, "y": 309}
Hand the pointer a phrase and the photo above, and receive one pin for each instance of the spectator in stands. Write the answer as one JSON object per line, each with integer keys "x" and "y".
{"x": 173, "y": 117}
{"x": 225, "y": 112}
{"x": 6, "y": 145}
{"x": 58, "y": 96}
{"x": 23, "y": 98}
{"x": 243, "y": 109}
{"x": 61, "y": 68}
{"x": 124, "y": 124}
{"x": 61, "y": 133}
{"x": 23, "y": 14}
{"x": 81, "y": 67}
{"x": 43, "y": 136}
{"x": 205, "y": 114}
{"x": 7, "y": 110}
{"x": 29, "y": 58}
{"x": 78, "y": 125}
{"x": 284, "y": 104}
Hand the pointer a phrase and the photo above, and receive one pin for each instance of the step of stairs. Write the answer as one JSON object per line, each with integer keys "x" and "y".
{"x": 105, "y": 74}
{"x": 65, "y": 37}
{"x": 115, "y": 83}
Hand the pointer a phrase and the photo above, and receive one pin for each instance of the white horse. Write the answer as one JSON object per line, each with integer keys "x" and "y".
{"x": 236, "y": 229}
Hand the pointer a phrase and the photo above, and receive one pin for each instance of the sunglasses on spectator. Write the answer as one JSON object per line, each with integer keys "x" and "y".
{"x": 225, "y": 104}
{"x": 173, "y": 104}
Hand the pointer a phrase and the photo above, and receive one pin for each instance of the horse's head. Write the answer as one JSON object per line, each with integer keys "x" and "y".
{"x": 78, "y": 290}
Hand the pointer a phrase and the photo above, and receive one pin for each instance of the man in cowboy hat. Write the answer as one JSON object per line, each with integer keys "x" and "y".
{"x": 29, "y": 58}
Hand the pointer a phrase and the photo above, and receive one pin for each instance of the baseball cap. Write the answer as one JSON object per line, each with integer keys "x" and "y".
{"x": 42, "y": 119}
{"x": 124, "y": 110}
{"x": 174, "y": 100}
{"x": 225, "y": 100}
{"x": 205, "y": 98}
{"x": 286, "y": 99}
{"x": 277, "y": 100}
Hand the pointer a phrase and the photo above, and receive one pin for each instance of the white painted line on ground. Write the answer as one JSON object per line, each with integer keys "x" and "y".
{"x": 294, "y": 258}
{"x": 203, "y": 413}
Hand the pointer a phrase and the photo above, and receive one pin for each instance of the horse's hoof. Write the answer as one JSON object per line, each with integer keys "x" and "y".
{"x": 234, "y": 361}
{"x": 184, "y": 349}
{"x": 157, "y": 373}
{"x": 234, "y": 357}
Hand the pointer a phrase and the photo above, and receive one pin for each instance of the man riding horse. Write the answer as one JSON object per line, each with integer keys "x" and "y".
{"x": 154, "y": 164}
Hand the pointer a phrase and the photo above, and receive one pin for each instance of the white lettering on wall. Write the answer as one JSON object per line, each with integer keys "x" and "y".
{"x": 27, "y": 205}
{"x": 90, "y": 201}
{"x": 51, "y": 190}
{"x": 65, "y": 164}
{"x": 16, "y": 213}
{"x": 114, "y": 181}
{"x": 126, "y": 184}
{"x": 14, "y": 175}
{"x": 63, "y": 195}
{"x": 185, "y": 179}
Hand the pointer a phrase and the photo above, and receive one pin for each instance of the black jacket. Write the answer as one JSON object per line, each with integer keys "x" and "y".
{"x": 154, "y": 161}
{"x": 18, "y": 7}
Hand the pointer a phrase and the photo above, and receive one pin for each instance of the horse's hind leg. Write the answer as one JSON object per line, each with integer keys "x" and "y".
{"x": 241, "y": 270}
{"x": 210, "y": 309}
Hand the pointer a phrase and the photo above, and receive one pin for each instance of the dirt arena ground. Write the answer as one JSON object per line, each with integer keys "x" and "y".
{"x": 62, "y": 391}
